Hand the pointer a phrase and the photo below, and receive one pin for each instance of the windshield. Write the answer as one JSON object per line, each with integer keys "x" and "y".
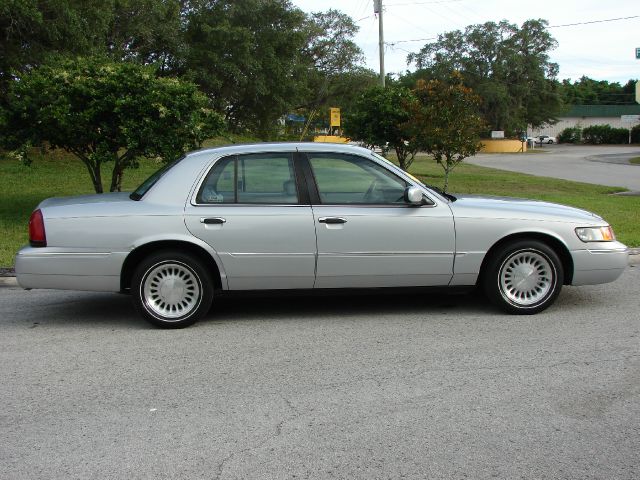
{"x": 151, "y": 181}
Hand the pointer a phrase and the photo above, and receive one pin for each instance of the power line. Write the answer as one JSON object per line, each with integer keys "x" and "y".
{"x": 433, "y": 2}
{"x": 595, "y": 21}
{"x": 413, "y": 40}
{"x": 551, "y": 26}
{"x": 364, "y": 18}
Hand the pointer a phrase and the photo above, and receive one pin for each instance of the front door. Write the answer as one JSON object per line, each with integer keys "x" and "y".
{"x": 367, "y": 235}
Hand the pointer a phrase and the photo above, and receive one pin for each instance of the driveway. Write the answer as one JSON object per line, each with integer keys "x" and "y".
{"x": 602, "y": 165}
{"x": 372, "y": 387}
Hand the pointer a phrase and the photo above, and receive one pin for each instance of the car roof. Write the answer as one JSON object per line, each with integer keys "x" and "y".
{"x": 280, "y": 147}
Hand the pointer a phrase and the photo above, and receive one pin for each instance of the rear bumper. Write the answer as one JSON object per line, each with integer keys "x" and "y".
{"x": 602, "y": 263}
{"x": 58, "y": 268}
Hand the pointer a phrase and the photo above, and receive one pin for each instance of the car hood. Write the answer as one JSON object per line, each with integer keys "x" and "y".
{"x": 86, "y": 199}
{"x": 505, "y": 207}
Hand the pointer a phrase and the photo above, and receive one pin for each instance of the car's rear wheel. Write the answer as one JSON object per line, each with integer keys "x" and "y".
{"x": 523, "y": 277}
{"x": 172, "y": 289}
{"x": 550, "y": 142}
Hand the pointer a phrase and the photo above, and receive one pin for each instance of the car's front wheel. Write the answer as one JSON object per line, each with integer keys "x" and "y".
{"x": 523, "y": 277}
{"x": 172, "y": 289}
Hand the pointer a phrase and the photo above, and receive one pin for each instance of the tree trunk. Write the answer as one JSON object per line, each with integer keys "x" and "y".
{"x": 116, "y": 177}
{"x": 97, "y": 182}
{"x": 446, "y": 180}
{"x": 402, "y": 157}
{"x": 93, "y": 167}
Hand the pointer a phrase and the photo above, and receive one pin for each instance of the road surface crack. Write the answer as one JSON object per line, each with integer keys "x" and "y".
{"x": 277, "y": 432}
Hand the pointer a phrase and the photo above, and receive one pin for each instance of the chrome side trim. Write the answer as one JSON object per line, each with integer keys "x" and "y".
{"x": 384, "y": 254}
{"x": 339, "y": 254}
{"x": 271, "y": 254}
{"x": 599, "y": 251}
{"x": 65, "y": 254}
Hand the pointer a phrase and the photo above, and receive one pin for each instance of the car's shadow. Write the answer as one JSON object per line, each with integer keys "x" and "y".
{"x": 361, "y": 303}
{"x": 104, "y": 310}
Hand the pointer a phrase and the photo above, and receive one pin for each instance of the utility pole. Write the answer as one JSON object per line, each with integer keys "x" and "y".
{"x": 377, "y": 8}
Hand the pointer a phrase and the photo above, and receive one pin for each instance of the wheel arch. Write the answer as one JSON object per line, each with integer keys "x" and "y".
{"x": 140, "y": 252}
{"x": 553, "y": 242}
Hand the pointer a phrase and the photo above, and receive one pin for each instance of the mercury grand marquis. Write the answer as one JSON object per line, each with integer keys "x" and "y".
{"x": 307, "y": 216}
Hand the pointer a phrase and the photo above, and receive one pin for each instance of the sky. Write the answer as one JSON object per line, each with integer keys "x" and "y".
{"x": 602, "y": 51}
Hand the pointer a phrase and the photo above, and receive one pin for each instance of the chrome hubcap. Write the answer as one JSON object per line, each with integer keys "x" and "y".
{"x": 171, "y": 290}
{"x": 526, "y": 278}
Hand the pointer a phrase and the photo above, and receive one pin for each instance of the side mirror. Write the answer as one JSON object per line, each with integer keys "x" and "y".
{"x": 413, "y": 195}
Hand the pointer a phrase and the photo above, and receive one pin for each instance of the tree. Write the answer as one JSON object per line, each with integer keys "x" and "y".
{"x": 506, "y": 65}
{"x": 445, "y": 121}
{"x": 334, "y": 72}
{"x": 102, "y": 111}
{"x": 146, "y": 31}
{"x": 587, "y": 91}
{"x": 379, "y": 118}
{"x": 33, "y": 29}
{"x": 256, "y": 60}
{"x": 248, "y": 58}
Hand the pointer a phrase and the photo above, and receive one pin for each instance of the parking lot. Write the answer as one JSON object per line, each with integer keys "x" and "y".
{"x": 599, "y": 164}
{"x": 374, "y": 386}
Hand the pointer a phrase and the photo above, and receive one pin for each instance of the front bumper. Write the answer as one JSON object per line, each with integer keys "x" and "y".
{"x": 600, "y": 262}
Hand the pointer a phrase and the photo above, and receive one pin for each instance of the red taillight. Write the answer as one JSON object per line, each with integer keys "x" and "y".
{"x": 37, "y": 236}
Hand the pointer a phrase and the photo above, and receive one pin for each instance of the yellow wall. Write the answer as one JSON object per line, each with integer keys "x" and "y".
{"x": 502, "y": 146}
{"x": 330, "y": 139}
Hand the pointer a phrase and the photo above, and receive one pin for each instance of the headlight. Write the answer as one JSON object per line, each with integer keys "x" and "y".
{"x": 596, "y": 234}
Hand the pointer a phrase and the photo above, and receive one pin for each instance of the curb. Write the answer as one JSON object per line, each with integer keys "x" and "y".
{"x": 8, "y": 282}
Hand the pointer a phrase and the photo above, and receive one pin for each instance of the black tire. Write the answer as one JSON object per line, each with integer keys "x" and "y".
{"x": 550, "y": 142}
{"x": 523, "y": 277}
{"x": 172, "y": 289}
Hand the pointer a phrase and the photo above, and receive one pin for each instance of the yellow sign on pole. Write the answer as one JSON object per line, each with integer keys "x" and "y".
{"x": 335, "y": 117}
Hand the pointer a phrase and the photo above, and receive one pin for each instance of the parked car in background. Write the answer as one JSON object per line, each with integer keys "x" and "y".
{"x": 307, "y": 216}
{"x": 541, "y": 139}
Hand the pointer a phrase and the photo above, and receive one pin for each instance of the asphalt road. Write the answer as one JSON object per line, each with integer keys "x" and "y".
{"x": 581, "y": 163}
{"x": 372, "y": 387}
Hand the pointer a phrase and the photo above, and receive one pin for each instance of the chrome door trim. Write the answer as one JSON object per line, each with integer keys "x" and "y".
{"x": 382, "y": 254}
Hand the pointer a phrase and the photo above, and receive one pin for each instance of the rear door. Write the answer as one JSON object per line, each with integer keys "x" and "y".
{"x": 252, "y": 210}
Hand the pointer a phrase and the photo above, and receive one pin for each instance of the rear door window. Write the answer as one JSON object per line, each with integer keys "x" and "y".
{"x": 262, "y": 178}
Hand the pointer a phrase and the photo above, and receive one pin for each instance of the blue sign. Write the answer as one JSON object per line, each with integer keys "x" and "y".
{"x": 638, "y": 53}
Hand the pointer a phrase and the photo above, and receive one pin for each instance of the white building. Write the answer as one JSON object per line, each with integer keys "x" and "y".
{"x": 588, "y": 115}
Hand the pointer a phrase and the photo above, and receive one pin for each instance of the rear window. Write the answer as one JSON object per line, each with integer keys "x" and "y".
{"x": 145, "y": 186}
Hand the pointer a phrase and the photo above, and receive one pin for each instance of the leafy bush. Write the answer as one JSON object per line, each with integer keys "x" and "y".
{"x": 570, "y": 135}
{"x": 635, "y": 134}
{"x": 103, "y": 111}
{"x": 605, "y": 134}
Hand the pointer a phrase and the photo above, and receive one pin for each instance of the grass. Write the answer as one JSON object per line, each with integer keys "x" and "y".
{"x": 59, "y": 174}
{"x": 622, "y": 212}
{"x": 635, "y": 160}
{"x": 53, "y": 175}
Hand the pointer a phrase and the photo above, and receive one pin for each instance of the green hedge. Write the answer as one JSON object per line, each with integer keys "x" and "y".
{"x": 570, "y": 135}
{"x": 635, "y": 134}
{"x": 605, "y": 134}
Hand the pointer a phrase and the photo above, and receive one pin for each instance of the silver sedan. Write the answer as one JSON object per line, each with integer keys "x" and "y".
{"x": 307, "y": 216}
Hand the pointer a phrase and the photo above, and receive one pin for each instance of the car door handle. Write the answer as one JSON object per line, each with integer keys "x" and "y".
{"x": 332, "y": 220}
{"x": 213, "y": 221}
